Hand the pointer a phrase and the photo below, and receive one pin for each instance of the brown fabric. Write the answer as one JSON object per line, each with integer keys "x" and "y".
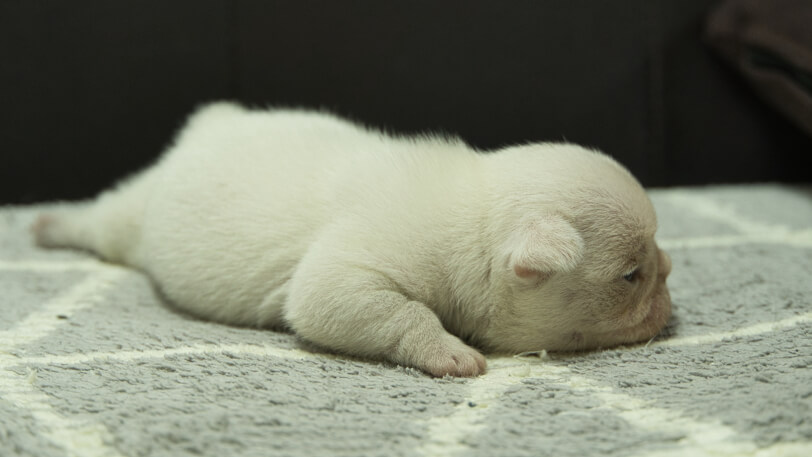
{"x": 770, "y": 43}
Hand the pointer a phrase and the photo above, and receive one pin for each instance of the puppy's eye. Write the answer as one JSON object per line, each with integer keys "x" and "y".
{"x": 631, "y": 276}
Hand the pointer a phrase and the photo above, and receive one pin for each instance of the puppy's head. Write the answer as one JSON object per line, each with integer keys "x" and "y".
{"x": 579, "y": 265}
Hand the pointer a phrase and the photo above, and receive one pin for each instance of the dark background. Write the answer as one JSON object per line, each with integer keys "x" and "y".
{"x": 91, "y": 90}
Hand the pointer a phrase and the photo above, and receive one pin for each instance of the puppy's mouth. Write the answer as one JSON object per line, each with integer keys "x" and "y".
{"x": 654, "y": 321}
{"x": 649, "y": 323}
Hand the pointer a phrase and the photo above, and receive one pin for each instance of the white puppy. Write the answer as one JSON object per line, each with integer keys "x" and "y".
{"x": 405, "y": 249}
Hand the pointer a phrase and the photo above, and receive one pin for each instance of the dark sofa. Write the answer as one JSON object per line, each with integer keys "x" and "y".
{"x": 92, "y": 90}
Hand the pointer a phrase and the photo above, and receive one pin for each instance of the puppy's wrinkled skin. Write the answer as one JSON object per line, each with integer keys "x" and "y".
{"x": 403, "y": 249}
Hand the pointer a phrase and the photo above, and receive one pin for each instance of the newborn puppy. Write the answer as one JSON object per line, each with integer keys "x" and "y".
{"x": 394, "y": 248}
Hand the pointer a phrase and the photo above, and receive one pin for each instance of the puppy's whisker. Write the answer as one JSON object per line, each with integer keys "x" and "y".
{"x": 654, "y": 338}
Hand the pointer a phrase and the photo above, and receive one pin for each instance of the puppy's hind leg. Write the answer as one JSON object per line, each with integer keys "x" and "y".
{"x": 109, "y": 225}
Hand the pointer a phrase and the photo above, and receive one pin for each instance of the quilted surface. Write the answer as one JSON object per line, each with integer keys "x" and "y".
{"x": 93, "y": 363}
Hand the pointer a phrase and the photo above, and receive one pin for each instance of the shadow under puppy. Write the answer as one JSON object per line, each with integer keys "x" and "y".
{"x": 406, "y": 249}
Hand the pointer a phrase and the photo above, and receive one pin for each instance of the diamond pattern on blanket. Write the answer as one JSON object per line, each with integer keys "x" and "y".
{"x": 24, "y": 292}
{"x": 757, "y": 384}
{"x": 225, "y": 404}
{"x": 123, "y": 374}
{"x": 721, "y": 289}
{"x": 133, "y": 317}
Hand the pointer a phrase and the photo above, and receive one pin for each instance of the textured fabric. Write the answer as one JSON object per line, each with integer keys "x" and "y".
{"x": 770, "y": 43}
{"x": 93, "y": 363}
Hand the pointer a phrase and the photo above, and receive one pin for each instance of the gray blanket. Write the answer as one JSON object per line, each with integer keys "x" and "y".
{"x": 93, "y": 363}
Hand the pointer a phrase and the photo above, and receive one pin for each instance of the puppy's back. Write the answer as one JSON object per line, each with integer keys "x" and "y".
{"x": 243, "y": 194}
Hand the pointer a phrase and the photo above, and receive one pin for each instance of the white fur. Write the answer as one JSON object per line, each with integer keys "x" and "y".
{"x": 367, "y": 244}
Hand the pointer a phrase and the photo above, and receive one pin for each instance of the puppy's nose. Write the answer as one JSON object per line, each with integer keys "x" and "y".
{"x": 665, "y": 264}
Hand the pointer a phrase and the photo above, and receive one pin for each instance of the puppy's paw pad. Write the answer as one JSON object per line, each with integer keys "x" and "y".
{"x": 45, "y": 230}
{"x": 455, "y": 359}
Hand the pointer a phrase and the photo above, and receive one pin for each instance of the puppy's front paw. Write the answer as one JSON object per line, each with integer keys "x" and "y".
{"x": 449, "y": 356}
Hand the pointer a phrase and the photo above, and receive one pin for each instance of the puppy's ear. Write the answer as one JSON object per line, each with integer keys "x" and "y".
{"x": 544, "y": 245}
